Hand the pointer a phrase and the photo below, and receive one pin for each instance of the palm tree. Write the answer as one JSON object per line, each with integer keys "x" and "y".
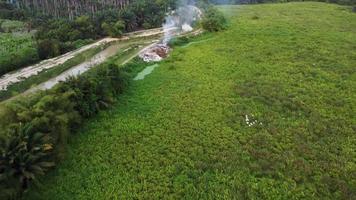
{"x": 23, "y": 156}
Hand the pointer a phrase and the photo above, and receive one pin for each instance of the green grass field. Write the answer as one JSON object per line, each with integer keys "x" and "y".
{"x": 181, "y": 133}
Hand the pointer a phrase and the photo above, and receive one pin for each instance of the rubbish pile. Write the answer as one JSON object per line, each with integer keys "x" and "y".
{"x": 155, "y": 53}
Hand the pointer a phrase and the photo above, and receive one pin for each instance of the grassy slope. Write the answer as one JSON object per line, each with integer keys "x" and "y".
{"x": 181, "y": 132}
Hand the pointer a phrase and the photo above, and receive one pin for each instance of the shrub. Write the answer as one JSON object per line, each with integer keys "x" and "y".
{"x": 16, "y": 53}
{"x": 23, "y": 156}
{"x": 94, "y": 91}
{"x": 113, "y": 29}
{"x": 7, "y": 11}
{"x": 48, "y": 48}
{"x": 213, "y": 20}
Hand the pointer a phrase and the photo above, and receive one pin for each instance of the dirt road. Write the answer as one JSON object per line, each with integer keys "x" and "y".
{"x": 85, "y": 66}
{"x": 18, "y": 76}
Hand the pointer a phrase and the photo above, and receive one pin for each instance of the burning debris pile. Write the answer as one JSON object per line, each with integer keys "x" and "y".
{"x": 176, "y": 22}
{"x": 155, "y": 53}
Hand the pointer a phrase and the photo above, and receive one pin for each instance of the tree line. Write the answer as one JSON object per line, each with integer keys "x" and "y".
{"x": 69, "y": 8}
{"x": 343, "y": 2}
{"x": 57, "y": 36}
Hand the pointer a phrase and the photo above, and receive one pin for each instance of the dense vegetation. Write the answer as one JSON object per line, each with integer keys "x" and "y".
{"x": 17, "y": 47}
{"x": 8, "y": 11}
{"x": 9, "y": 26}
{"x": 213, "y": 20}
{"x": 57, "y": 36}
{"x": 41, "y": 115}
{"x": 16, "y": 51}
{"x": 182, "y": 133}
{"x": 35, "y": 129}
{"x": 262, "y": 110}
{"x": 67, "y": 8}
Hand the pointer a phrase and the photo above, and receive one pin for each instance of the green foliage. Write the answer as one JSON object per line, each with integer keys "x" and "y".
{"x": 48, "y": 48}
{"x": 58, "y": 36}
{"x": 57, "y": 113}
{"x": 342, "y": 2}
{"x": 96, "y": 90}
{"x": 113, "y": 29}
{"x": 181, "y": 133}
{"x": 23, "y": 156}
{"x": 213, "y": 20}
{"x": 8, "y": 11}
{"x": 108, "y": 29}
{"x": 16, "y": 52}
{"x": 84, "y": 26}
{"x": 9, "y": 26}
{"x": 119, "y": 27}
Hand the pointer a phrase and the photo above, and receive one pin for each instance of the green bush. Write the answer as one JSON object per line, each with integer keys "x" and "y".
{"x": 213, "y": 20}
{"x": 7, "y": 11}
{"x": 16, "y": 52}
{"x": 23, "y": 156}
{"x": 94, "y": 91}
{"x": 9, "y": 26}
{"x": 17, "y": 60}
{"x": 48, "y": 48}
{"x": 113, "y": 29}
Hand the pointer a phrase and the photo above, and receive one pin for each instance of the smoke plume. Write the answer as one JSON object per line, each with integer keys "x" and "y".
{"x": 182, "y": 19}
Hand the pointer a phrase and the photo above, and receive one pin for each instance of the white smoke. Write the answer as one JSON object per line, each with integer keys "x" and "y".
{"x": 186, "y": 28}
{"x": 169, "y": 27}
{"x": 182, "y": 19}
